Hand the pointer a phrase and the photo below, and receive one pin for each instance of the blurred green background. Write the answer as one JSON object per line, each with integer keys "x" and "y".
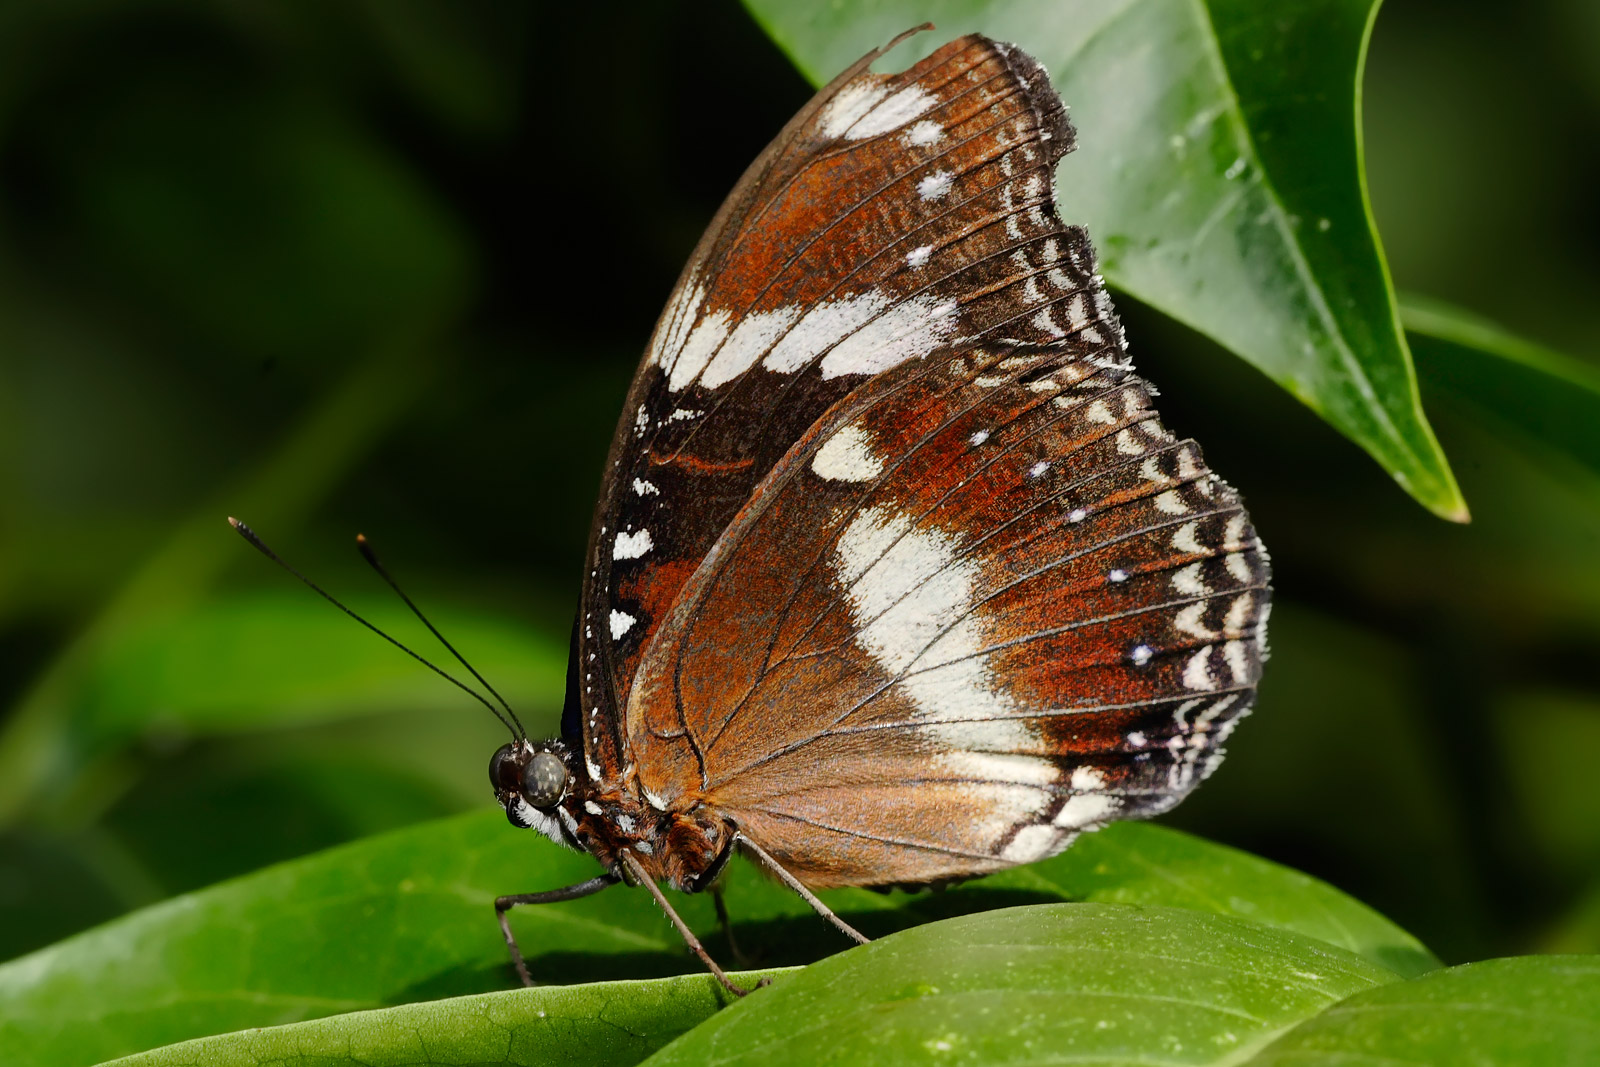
{"x": 387, "y": 267}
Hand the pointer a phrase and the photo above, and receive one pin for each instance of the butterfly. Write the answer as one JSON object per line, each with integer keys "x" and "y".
{"x": 895, "y": 577}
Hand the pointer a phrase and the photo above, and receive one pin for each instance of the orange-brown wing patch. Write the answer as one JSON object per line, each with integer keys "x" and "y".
{"x": 988, "y": 601}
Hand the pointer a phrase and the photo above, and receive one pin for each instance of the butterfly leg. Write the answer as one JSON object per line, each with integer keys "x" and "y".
{"x": 727, "y": 926}
{"x": 644, "y": 879}
{"x": 551, "y": 896}
{"x": 761, "y": 855}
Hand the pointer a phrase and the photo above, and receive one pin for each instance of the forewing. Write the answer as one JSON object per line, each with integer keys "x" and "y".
{"x": 987, "y": 602}
{"x": 895, "y": 215}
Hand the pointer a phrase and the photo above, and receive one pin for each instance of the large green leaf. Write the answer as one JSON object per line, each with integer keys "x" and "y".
{"x": 1089, "y": 982}
{"x": 221, "y": 667}
{"x": 39, "y": 745}
{"x": 1220, "y": 173}
{"x": 1528, "y": 1010}
{"x": 407, "y": 915}
{"x": 594, "y": 1025}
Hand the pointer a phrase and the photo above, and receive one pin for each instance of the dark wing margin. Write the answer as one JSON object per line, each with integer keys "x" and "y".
{"x": 896, "y": 215}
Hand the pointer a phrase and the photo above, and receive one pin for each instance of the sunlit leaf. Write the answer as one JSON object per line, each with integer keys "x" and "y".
{"x": 1529, "y": 1010}
{"x": 1220, "y": 174}
{"x": 408, "y": 915}
{"x": 1101, "y": 983}
{"x": 561, "y": 1026}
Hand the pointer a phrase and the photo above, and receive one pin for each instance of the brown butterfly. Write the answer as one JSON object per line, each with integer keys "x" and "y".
{"x": 895, "y": 576}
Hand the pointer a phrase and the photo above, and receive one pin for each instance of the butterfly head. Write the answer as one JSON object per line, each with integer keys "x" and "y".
{"x": 530, "y": 781}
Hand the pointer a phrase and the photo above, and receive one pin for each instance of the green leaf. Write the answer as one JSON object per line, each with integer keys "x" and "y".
{"x": 571, "y": 1026}
{"x": 1220, "y": 174}
{"x": 1528, "y": 1010}
{"x": 1136, "y": 863}
{"x": 408, "y": 915}
{"x": 1027, "y": 985}
{"x": 1550, "y": 397}
{"x": 221, "y": 667}
{"x": 37, "y": 746}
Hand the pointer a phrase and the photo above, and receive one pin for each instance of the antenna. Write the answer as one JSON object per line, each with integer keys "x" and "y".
{"x": 260, "y": 546}
{"x": 372, "y": 557}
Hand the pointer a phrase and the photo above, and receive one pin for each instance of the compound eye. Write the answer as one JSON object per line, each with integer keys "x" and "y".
{"x": 503, "y": 769}
{"x": 544, "y": 779}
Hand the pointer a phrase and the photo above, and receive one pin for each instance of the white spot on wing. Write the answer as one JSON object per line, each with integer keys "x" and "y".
{"x": 1047, "y": 324}
{"x": 686, "y": 364}
{"x": 911, "y": 596}
{"x": 919, "y": 255}
{"x": 1035, "y": 843}
{"x": 1086, "y": 810}
{"x": 750, "y": 340}
{"x": 644, "y": 488}
{"x": 1238, "y": 661}
{"x": 1238, "y": 614}
{"x": 909, "y": 330}
{"x": 935, "y": 185}
{"x": 1185, "y": 540}
{"x": 823, "y": 327}
{"x": 673, "y": 328}
{"x": 1190, "y": 621}
{"x": 892, "y": 113}
{"x": 1197, "y": 672}
{"x": 632, "y": 545}
{"x": 1171, "y": 503}
{"x": 923, "y": 133}
{"x": 1238, "y": 566}
{"x": 621, "y": 623}
{"x": 847, "y": 456}
{"x": 1188, "y": 582}
{"x": 1087, "y": 778}
{"x": 849, "y": 105}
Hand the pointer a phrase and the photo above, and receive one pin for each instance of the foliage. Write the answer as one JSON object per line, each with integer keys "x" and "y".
{"x": 337, "y": 266}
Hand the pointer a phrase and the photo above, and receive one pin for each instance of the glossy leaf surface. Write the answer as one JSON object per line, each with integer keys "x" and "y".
{"x": 1098, "y": 983}
{"x": 408, "y": 915}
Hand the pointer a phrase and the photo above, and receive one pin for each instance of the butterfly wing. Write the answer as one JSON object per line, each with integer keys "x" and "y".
{"x": 895, "y": 215}
{"x": 986, "y": 603}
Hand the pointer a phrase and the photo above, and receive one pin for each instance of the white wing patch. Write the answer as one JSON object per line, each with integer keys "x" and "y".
{"x": 823, "y": 327}
{"x": 935, "y": 185}
{"x": 885, "y": 112}
{"x": 911, "y": 598}
{"x": 684, "y": 366}
{"x": 632, "y": 545}
{"x": 847, "y": 456}
{"x": 909, "y": 330}
{"x": 750, "y": 340}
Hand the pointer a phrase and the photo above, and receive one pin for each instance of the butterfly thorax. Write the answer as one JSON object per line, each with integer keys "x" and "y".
{"x": 545, "y": 787}
{"x": 685, "y": 849}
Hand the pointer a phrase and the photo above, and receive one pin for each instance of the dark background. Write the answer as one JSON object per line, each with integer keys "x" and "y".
{"x": 387, "y": 267}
